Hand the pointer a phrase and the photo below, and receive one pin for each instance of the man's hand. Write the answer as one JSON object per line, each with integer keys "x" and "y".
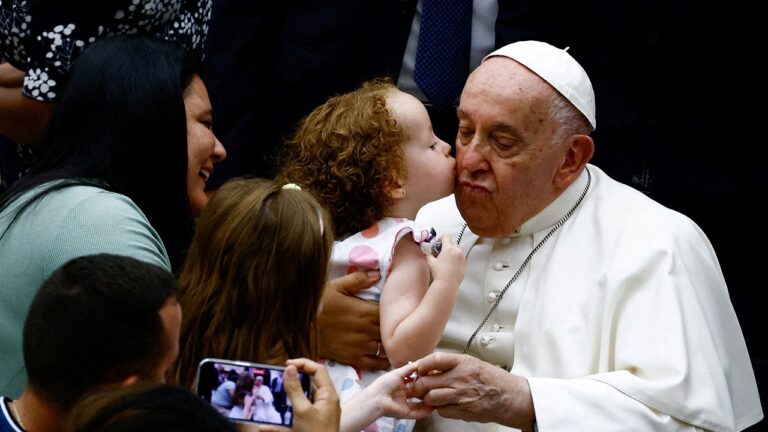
{"x": 464, "y": 387}
{"x": 349, "y": 326}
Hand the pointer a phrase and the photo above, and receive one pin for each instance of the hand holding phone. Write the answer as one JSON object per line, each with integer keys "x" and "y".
{"x": 249, "y": 392}
{"x": 325, "y": 412}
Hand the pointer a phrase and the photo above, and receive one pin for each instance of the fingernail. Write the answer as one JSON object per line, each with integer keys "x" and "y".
{"x": 373, "y": 274}
{"x": 291, "y": 372}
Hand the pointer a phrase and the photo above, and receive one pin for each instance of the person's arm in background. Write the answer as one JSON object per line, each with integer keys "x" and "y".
{"x": 22, "y": 119}
{"x": 10, "y": 76}
{"x": 349, "y": 326}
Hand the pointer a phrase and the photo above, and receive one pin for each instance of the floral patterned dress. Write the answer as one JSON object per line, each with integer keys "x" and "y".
{"x": 43, "y": 37}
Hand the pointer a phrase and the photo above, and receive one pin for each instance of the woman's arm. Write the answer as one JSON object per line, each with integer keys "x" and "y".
{"x": 384, "y": 397}
{"x": 248, "y": 404}
{"x": 22, "y": 119}
{"x": 413, "y": 310}
{"x": 10, "y": 76}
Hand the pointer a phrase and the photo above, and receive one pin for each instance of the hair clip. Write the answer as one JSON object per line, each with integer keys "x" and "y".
{"x": 320, "y": 221}
{"x": 291, "y": 186}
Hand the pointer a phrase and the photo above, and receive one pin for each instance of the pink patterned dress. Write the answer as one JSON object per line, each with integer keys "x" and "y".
{"x": 370, "y": 249}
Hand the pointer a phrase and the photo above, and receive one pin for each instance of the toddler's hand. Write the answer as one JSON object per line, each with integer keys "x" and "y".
{"x": 449, "y": 266}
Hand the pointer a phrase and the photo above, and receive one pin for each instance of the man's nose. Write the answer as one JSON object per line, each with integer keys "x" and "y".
{"x": 473, "y": 155}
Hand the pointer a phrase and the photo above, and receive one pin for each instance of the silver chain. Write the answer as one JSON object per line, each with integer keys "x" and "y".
{"x": 525, "y": 262}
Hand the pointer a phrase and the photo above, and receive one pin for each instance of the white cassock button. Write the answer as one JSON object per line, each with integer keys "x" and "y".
{"x": 486, "y": 340}
{"x": 506, "y": 241}
{"x": 495, "y": 328}
{"x": 498, "y": 266}
{"x": 491, "y": 297}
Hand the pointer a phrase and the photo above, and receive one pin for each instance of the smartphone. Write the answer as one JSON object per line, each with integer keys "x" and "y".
{"x": 247, "y": 392}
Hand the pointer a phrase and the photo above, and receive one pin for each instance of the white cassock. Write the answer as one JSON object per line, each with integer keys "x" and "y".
{"x": 264, "y": 410}
{"x": 621, "y": 321}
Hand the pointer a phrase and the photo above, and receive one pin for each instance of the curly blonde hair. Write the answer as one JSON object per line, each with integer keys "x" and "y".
{"x": 348, "y": 152}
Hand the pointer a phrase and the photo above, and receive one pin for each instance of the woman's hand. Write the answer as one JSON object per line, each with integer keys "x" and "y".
{"x": 321, "y": 415}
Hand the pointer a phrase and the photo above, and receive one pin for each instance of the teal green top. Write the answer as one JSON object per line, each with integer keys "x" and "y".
{"x": 65, "y": 224}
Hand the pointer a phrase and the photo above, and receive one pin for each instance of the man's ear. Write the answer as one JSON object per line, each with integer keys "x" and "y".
{"x": 580, "y": 149}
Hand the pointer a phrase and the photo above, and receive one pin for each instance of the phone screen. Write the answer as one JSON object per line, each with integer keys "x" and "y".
{"x": 245, "y": 391}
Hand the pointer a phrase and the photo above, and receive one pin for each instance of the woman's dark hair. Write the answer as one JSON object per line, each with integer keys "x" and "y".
{"x": 120, "y": 124}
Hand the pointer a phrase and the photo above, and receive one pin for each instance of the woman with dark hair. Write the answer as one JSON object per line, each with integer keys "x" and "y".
{"x": 122, "y": 170}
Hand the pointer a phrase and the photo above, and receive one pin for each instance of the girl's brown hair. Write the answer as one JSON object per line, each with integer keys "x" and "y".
{"x": 348, "y": 151}
{"x": 252, "y": 282}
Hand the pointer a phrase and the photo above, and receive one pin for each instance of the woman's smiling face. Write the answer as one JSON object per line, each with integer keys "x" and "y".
{"x": 203, "y": 148}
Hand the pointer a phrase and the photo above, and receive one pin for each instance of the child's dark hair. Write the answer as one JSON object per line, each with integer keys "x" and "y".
{"x": 348, "y": 152}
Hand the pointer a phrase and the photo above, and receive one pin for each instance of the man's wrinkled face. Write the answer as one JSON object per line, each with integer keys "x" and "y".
{"x": 505, "y": 161}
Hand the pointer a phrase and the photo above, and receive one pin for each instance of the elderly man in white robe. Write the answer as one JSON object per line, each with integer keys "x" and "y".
{"x": 586, "y": 305}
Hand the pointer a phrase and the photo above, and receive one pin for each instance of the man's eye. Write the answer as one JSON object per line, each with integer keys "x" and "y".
{"x": 465, "y": 133}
